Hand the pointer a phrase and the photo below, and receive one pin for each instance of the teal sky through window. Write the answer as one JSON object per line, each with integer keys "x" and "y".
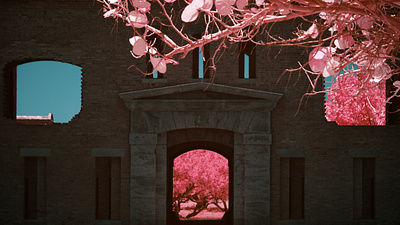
{"x": 45, "y": 87}
{"x": 201, "y": 64}
{"x": 246, "y": 66}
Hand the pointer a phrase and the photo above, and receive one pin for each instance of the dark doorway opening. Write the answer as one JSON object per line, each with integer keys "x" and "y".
{"x": 173, "y": 216}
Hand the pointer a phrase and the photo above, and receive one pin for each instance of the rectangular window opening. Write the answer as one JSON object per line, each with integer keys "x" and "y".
{"x": 292, "y": 173}
{"x": 201, "y": 61}
{"x": 364, "y": 188}
{"x": 247, "y": 60}
{"x": 108, "y": 188}
{"x": 103, "y": 188}
{"x": 159, "y": 45}
{"x": 34, "y": 187}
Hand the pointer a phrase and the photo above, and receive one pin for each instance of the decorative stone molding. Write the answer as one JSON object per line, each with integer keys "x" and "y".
{"x": 283, "y": 152}
{"x": 162, "y": 114}
{"x": 108, "y": 152}
{"x": 35, "y": 152}
{"x": 364, "y": 153}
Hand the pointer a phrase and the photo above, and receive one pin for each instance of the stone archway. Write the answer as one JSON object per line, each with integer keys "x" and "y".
{"x": 175, "y": 151}
{"x": 245, "y": 113}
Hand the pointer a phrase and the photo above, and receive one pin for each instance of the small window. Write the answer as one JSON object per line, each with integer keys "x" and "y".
{"x": 346, "y": 105}
{"x": 247, "y": 60}
{"x": 201, "y": 60}
{"x": 151, "y": 73}
{"x": 45, "y": 92}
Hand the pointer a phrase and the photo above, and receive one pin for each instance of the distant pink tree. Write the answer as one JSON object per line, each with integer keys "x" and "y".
{"x": 202, "y": 177}
{"x": 356, "y": 100}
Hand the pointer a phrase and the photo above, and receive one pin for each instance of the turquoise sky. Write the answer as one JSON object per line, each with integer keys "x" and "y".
{"x": 45, "y": 87}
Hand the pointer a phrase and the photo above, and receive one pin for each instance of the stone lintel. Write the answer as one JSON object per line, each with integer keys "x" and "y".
{"x": 291, "y": 222}
{"x": 143, "y": 139}
{"x": 154, "y": 92}
{"x": 108, "y": 152}
{"x": 35, "y": 152}
{"x": 364, "y": 153}
{"x": 107, "y": 222}
{"x": 283, "y": 152}
{"x": 257, "y": 139}
{"x": 259, "y": 105}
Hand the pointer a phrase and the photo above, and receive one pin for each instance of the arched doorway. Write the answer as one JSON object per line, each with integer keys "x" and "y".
{"x": 200, "y": 184}
{"x": 169, "y": 121}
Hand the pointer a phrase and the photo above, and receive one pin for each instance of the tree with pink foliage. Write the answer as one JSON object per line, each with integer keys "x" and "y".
{"x": 201, "y": 177}
{"x": 337, "y": 32}
{"x": 356, "y": 100}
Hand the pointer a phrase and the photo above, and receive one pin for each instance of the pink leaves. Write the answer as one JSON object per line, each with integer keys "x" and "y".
{"x": 396, "y": 84}
{"x": 318, "y": 58}
{"x": 141, "y": 4}
{"x": 344, "y": 41}
{"x": 139, "y": 46}
{"x": 240, "y": 4}
{"x": 109, "y": 13}
{"x": 137, "y": 19}
{"x": 191, "y": 11}
{"x": 365, "y": 22}
{"x": 115, "y": 2}
{"x": 312, "y": 31}
{"x": 158, "y": 63}
{"x": 224, "y": 6}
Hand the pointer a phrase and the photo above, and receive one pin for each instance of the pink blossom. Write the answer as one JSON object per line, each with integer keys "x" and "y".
{"x": 208, "y": 4}
{"x": 110, "y": 13}
{"x": 159, "y": 64}
{"x": 144, "y": 10}
{"x": 348, "y": 104}
{"x": 312, "y": 31}
{"x": 365, "y": 22}
{"x": 139, "y": 45}
{"x": 344, "y": 41}
{"x": 332, "y": 67}
{"x": 319, "y": 57}
{"x": 241, "y": 3}
{"x": 224, "y": 6}
{"x": 137, "y": 19}
{"x": 115, "y": 2}
{"x": 141, "y": 4}
{"x": 396, "y": 84}
{"x": 191, "y": 11}
{"x": 381, "y": 72}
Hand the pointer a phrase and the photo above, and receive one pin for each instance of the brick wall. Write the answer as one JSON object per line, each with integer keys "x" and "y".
{"x": 75, "y": 32}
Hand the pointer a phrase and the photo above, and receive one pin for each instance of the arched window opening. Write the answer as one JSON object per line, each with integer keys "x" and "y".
{"x": 47, "y": 92}
{"x": 200, "y": 185}
{"x": 355, "y": 99}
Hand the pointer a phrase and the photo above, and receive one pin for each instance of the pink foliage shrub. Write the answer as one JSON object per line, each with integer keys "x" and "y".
{"x": 356, "y": 100}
